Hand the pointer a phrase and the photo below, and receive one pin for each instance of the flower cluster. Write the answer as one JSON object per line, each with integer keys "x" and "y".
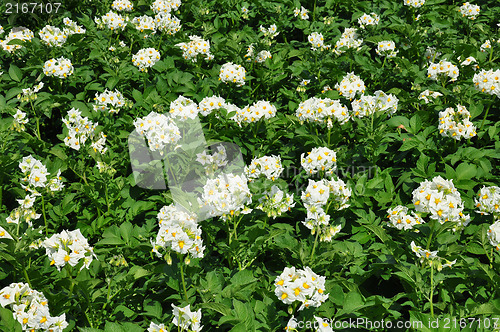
{"x": 494, "y": 234}
{"x": 231, "y": 73}
{"x": 145, "y": 23}
{"x": 99, "y": 143}
{"x": 470, "y": 11}
{"x": 428, "y": 94}
{"x": 244, "y": 12}
{"x": 179, "y": 232}
{"x": 165, "y": 6}
{"x": 20, "y": 33}
{"x": 24, "y": 212}
{"x": 350, "y": 86}
{"x": 366, "y": 20}
{"x": 186, "y": 319}
{"x": 270, "y": 32}
{"x": 414, "y": 3}
{"x": 72, "y": 28}
{"x": 443, "y": 70}
{"x": 380, "y": 102}
{"x": 302, "y": 13}
{"x": 485, "y": 46}
{"x": 442, "y": 200}
{"x": 275, "y": 202}
{"x": 53, "y": 36}
{"x": 347, "y": 41}
{"x": 158, "y": 129}
{"x": 122, "y": 5}
{"x": 300, "y": 285}
{"x": 316, "y": 40}
{"x": 316, "y": 197}
{"x": 386, "y": 48}
{"x": 319, "y": 159}
{"x": 183, "y": 108}
{"x": 431, "y": 53}
{"x": 30, "y": 308}
{"x": 488, "y": 81}
{"x": 227, "y": 195}
{"x": 30, "y": 94}
{"x": 430, "y": 256}
{"x": 110, "y": 101}
{"x": 167, "y": 23}
{"x": 79, "y": 129}
{"x": 488, "y": 201}
{"x": 20, "y": 120}
{"x": 208, "y": 104}
{"x": 213, "y": 162}
{"x": 146, "y": 58}
{"x": 35, "y": 176}
{"x": 400, "y": 219}
{"x": 69, "y": 247}
{"x": 268, "y": 166}
{"x": 196, "y": 46}
{"x": 258, "y": 110}
{"x": 112, "y": 21}
{"x": 321, "y": 110}
{"x": 263, "y": 56}
{"x": 468, "y": 61}
{"x": 456, "y": 124}
{"x": 60, "y": 67}
{"x": 302, "y": 85}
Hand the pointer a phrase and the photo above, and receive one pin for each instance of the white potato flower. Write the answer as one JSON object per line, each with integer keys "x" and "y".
{"x": 301, "y": 285}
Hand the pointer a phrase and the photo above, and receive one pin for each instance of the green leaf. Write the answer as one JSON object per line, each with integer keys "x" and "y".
{"x": 123, "y": 309}
{"x": 113, "y": 327}
{"x": 137, "y": 95}
{"x": 415, "y": 124}
{"x": 126, "y": 231}
{"x": 475, "y": 249}
{"x": 7, "y": 321}
{"x": 138, "y": 272}
{"x": 15, "y": 73}
{"x": 219, "y": 307}
{"x": 465, "y": 171}
{"x": 153, "y": 309}
{"x": 378, "y": 231}
{"x": 398, "y": 120}
{"x": 353, "y": 301}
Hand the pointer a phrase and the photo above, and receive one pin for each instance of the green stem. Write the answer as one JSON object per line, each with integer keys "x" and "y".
{"x": 86, "y": 183}
{"x": 45, "y": 217}
{"x": 159, "y": 44}
{"x": 430, "y": 235}
{"x": 314, "y": 10}
{"x": 131, "y": 44}
{"x": 88, "y": 319}
{"x": 37, "y": 121}
{"x": 432, "y": 290}
{"x": 314, "y": 245}
{"x": 485, "y": 115}
{"x": 26, "y": 276}
{"x": 106, "y": 194}
{"x": 181, "y": 263}
{"x": 72, "y": 285}
{"x": 229, "y": 233}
